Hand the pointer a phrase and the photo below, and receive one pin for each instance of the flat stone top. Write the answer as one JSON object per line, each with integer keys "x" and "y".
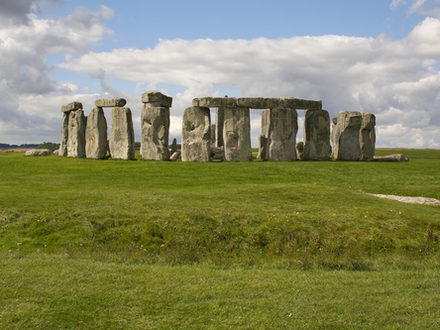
{"x": 102, "y": 103}
{"x": 257, "y": 102}
{"x": 157, "y": 99}
{"x": 71, "y": 106}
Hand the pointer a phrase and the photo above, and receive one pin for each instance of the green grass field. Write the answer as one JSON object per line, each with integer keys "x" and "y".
{"x": 141, "y": 244}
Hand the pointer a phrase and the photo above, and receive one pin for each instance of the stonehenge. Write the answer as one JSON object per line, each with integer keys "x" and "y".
{"x": 350, "y": 136}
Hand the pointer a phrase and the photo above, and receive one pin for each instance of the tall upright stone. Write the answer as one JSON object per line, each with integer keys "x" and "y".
{"x": 76, "y": 142}
{"x": 237, "y": 134}
{"x": 283, "y": 127}
{"x": 347, "y": 146}
{"x": 121, "y": 141}
{"x": 368, "y": 136}
{"x": 219, "y": 126}
{"x": 155, "y": 121}
{"x": 263, "y": 140}
{"x": 96, "y": 134}
{"x": 64, "y": 134}
{"x": 196, "y": 135}
{"x": 213, "y": 137}
{"x": 316, "y": 135}
{"x": 333, "y": 131}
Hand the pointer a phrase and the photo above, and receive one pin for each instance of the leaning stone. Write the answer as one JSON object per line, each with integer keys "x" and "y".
{"x": 316, "y": 135}
{"x": 196, "y": 135}
{"x": 368, "y": 136}
{"x": 76, "y": 144}
{"x": 155, "y": 132}
{"x": 237, "y": 134}
{"x": 390, "y": 158}
{"x": 173, "y": 147}
{"x": 157, "y": 99}
{"x": 175, "y": 156}
{"x": 64, "y": 134}
{"x": 37, "y": 152}
{"x": 106, "y": 103}
{"x": 300, "y": 150}
{"x": 73, "y": 106}
{"x": 96, "y": 134}
{"x": 347, "y": 146}
{"x": 121, "y": 141}
{"x": 283, "y": 127}
{"x": 219, "y": 127}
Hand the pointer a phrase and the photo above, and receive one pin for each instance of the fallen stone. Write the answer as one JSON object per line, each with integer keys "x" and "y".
{"x": 410, "y": 200}
{"x": 73, "y": 106}
{"x": 316, "y": 135}
{"x": 157, "y": 99}
{"x": 196, "y": 135}
{"x": 64, "y": 134}
{"x": 283, "y": 127}
{"x": 390, "y": 158}
{"x": 237, "y": 134}
{"x": 219, "y": 127}
{"x": 56, "y": 152}
{"x": 300, "y": 150}
{"x": 76, "y": 144}
{"x": 257, "y": 103}
{"x": 96, "y": 134}
{"x": 368, "y": 136}
{"x": 175, "y": 156}
{"x": 155, "y": 132}
{"x": 347, "y": 145}
{"x": 110, "y": 103}
{"x": 37, "y": 152}
{"x": 121, "y": 142}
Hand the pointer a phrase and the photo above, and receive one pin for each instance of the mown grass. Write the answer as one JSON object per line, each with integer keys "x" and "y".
{"x": 160, "y": 244}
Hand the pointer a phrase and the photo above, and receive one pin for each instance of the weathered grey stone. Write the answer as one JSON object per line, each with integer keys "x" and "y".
{"x": 409, "y": 199}
{"x": 219, "y": 127}
{"x": 157, "y": 99}
{"x": 333, "y": 131}
{"x": 316, "y": 135}
{"x": 76, "y": 144}
{"x": 155, "y": 133}
{"x": 196, "y": 135}
{"x": 173, "y": 147}
{"x": 37, "y": 152}
{"x": 217, "y": 153}
{"x": 64, "y": 134}
{"x": 110, "y": 103}
{"x": 368, "y": 136}
{"x": 175, "y": 156}
{"x": 300, "y": 150}
{"x": 262, "y": 147}
{"x": 257, "y": 102}
{"x": 121, "y": 141}
{"x": 283, "y": 127}
{"x": 237, "y": 134}
{"x": 213, "y": 139}
{"x": 347, "y": 146}
{"x": 390, "y": 158}
{"x": 96, "y": 134}
{"x": 71, "y": 106}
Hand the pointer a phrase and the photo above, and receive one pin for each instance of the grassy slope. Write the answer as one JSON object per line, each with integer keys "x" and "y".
{"x": 63, "y": 222}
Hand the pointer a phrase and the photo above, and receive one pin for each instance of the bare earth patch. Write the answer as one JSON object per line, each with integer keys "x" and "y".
{"x": 408, "y": 199}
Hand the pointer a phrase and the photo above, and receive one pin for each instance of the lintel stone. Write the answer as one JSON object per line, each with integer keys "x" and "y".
{"x": 257, "y": 102}
{"x": 110, "y": 103}
{"x": 157, "y": 99}
{"x": 73, "y": 106}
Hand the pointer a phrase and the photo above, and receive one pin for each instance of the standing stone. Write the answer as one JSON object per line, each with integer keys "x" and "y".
{"x": 347, "y": 146}
{"x": 264, "y": 136}
{"x": 316, "y": 135}
{"x": 237, "y": 134}
{"x": 121, "y": 141}
{"x": 368, "y": 136}
{"x": 283, "y": 127}
{"x": 213, "y": 133}
{"x": 96, "y": 134}
{"x": 64, "y": 134}
{"x": 157, "y": 99}
{"x": 173, "y": 147}
{"x": 196, "y": 135}
{"x": 76, "y": 144}
{"x": 300, "y": 150}
{"x": 333, "y": 132}
{"x": 219, "y": 126}
{"x": 155, "y": 130}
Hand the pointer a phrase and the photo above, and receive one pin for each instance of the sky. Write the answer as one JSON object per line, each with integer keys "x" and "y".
{"x": 378, "y": 56}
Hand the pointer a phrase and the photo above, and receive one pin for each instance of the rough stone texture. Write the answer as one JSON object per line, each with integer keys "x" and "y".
{"x": 237, "y": 134}
{"x": 96, "y": 134}
{"x": 71, "y": 106}
{"x": 316, "y": 135}
{"x": 155, "y": 133}
{"x": 104, "y": 103}
{"x": 64, "y": 134}
{"x": 173, "y": 147}
{"x": 121, "y": 141}
{"x": 263, "y": 139}
{"x": 196, "y": 135}
{"x": 257, "y": 102}
{"x": 300, "y": 150}
{"x": 213, "y": 139}
{"x": 262, "y": 147}
{"x": 157, "y": 99}
{"x": 37, "y": 152}
{"x": 368, "y": 136}
{"x": 390, "y": 158}
{"x": 175, "y": 156}
{"x": 76, "y": 144}
{"x": 333, "y": 131}
{"x": 347, "y": 146}
{"x": 283, "y": 127}
{"x": 219, "y": 126}
{"x": 217, "y": 153}
{"x": 408, "y": 199}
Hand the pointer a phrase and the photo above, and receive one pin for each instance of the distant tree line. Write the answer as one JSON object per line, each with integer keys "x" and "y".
{"x": 45, "y": 145}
